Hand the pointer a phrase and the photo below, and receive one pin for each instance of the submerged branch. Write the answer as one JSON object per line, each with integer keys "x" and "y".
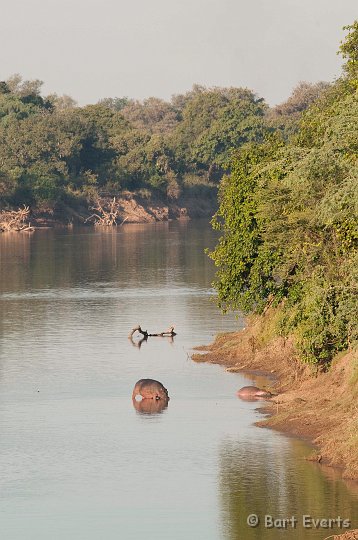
{"x": 169, "y": 332}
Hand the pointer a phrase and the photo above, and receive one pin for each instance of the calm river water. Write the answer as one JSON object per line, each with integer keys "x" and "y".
{"x": 77, "y": 461}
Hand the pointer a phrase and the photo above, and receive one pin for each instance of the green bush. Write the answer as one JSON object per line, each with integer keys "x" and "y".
{"x": 288, "y": 218}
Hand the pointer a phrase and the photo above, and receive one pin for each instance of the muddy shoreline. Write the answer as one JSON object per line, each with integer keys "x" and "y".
{"x": 318, "y": 407}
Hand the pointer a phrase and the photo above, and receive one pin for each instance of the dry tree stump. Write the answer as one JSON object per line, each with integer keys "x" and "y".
{"x": 15, "y": 220}
{"x": 107, "y": 213}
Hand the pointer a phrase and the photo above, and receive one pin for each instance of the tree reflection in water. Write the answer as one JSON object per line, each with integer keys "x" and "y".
{"x": 265, "y": 479}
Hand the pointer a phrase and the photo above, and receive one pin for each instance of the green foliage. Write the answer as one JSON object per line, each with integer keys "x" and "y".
{"x": 322, "y": 313}
{"x": 53, "y": 151}
{"x": 303, "y": 95}
{"x": 116, "y": 104}
{"x": 245, "y": 276}
{"x": 153, "y": 115}
{"x": 349, "y": 51}
{"x": 286, "y": 116}
{"x": 216, "y": 121}
{"x": 289, "y": 222}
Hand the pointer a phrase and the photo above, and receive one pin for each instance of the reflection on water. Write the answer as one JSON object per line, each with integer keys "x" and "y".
{"x": 278, "y": 482}
{"x": 150, "y": 406}
{"x": 138, "y": 342}
{"x": 77, "y": 461}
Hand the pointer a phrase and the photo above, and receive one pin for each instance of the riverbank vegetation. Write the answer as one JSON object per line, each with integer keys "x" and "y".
{"x": 319, "y": 406}
{"x": 287, "y": 257}
{"x": 62, "y": 160}
{"x": 55, "y": 156}
{"x": 287, "y": 179}
{"x": 288, "y": 219}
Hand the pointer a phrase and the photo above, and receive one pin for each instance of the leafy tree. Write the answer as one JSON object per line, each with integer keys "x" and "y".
{"x": 4, "y": 89}
{"x": 61, "y": 103}
{"x": 349, "y": 51}
{"x": 116, "y": 104}
{"x": 214, "y": 122}
{"x": 245, "y": 276}
{"x": 153, "y": 115}
{"x": 303, "y": 95}
{"x": 289, "y": 221}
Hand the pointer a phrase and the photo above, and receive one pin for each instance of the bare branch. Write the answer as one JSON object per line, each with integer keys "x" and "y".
{"x": 15, "y": 220}
{"x": 106, "y": 213}
{"x": 169, "y": 332}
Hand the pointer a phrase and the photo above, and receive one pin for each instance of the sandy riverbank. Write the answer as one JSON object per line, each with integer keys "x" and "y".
{"x": 320, "y": 407}
{"x": 131, "y": 209}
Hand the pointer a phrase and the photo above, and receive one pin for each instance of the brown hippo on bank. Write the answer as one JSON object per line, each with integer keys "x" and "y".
{"x": 253, "y": 392}
{"x": 150, "y": 389}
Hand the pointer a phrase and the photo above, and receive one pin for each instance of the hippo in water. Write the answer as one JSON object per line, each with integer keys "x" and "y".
{"x": 150, "y": 389}
{"x": 252, "y": 393}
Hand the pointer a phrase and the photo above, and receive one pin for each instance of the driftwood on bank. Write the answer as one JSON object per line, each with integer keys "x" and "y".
{"x": 15, "y": 220}
{"x": 107, "y": 213}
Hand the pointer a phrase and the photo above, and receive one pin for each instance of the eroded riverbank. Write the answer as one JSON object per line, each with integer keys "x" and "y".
{"x": 130, "y": 208}
{"x": 319, "y": 407}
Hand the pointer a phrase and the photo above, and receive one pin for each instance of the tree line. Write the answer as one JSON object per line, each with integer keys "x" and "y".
{"x": 288, "y": 218}
{"x": 286, "y": 175}
{"x": 55, "y": 155}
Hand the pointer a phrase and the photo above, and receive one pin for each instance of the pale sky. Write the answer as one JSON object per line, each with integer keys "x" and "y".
{"x": 92, "y": 49}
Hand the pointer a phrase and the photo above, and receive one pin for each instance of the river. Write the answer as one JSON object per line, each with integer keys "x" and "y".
{"x": 77, "y": 460}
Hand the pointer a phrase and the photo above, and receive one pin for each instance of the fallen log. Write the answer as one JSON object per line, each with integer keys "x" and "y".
{"x": 167, "y": 333}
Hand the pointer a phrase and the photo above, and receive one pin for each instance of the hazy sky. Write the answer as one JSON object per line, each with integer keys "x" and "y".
{"x": 92, "y": 49}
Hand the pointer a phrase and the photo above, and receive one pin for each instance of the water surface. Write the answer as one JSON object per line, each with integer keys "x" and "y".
{"x": 77, "y": 461}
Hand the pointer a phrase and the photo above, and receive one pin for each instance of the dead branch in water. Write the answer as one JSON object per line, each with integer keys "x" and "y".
{"x": 106, "y": 213}
{"x": 138, "y": 342}
{"x": 15, "y": 220}
{"x": 170, "y": 332}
